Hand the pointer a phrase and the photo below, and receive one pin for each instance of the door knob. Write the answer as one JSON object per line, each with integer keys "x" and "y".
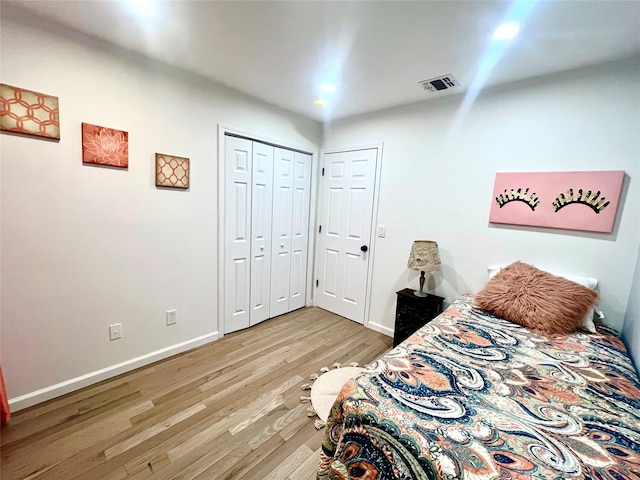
{"x": 364, "y": 248}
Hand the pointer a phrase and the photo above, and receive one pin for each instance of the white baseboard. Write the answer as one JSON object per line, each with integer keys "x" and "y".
{"x": 82, "y": 381}
{"x": 381, "y": 329}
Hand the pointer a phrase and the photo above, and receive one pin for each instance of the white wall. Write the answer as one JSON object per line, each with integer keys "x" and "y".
{"x": 84, "y": 247}
{"x": 437, "y": 183}
{"x": 631, "y": 330}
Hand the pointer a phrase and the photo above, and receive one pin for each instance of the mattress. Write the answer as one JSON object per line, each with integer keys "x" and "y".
{"x": 472, "y": 396}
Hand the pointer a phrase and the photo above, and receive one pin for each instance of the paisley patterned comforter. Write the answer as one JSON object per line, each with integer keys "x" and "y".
{"x": 471, "y": 396}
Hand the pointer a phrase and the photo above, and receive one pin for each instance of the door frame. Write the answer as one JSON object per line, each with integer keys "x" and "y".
{"x": 310, "y": 149}
{"x": 374, "y": 218}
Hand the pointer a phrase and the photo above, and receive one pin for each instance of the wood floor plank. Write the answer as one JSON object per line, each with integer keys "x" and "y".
{"x": 289, "y": 464}
{"x": 307, "y": 468}
{"x": 273, "y": 453}
{"x": 68, "y": 415}
{"x": 18, "y": 460}
{"x": 229, "y": 409}
{"x": 152, "y": 431}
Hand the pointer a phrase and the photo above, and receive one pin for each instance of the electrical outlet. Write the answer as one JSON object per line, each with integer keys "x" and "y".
{"x": 115, "y": 331}
{"x": 171, "y": 317}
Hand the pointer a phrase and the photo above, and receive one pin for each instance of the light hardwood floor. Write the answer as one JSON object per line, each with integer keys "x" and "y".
{"x": 227, "y": 410}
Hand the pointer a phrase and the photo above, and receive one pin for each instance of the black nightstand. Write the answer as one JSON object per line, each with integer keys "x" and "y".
{"x": 413, "y": 312}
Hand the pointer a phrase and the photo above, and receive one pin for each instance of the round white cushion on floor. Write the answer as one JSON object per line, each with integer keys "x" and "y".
{"x": 326, "y": 388}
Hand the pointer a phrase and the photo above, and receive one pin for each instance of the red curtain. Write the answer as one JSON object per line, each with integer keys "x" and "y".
{"x": 4, "y": 402}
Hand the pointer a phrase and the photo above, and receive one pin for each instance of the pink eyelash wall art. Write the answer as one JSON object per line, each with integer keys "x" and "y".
{"x": 586, "y": 201}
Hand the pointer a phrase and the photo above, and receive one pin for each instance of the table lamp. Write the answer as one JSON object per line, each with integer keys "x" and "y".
{"x": 425, "y": 258}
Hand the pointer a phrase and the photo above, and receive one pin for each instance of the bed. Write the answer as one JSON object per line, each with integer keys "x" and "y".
{"x": 474, "y": 396}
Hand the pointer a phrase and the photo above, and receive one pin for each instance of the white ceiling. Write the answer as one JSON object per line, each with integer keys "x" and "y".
{"x": 375, "y": 52}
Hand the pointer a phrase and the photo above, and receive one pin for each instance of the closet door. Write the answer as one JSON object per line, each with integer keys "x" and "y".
{"x": 261, "y": 203}
{"x": 237, "y": 218}
{"x": 300, "y": 230}
{"x": 283, "y": 170}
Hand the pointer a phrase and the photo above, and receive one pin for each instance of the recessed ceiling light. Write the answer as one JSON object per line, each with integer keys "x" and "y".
{"x": 320, "y": 103}
{"x": 143, "y": 9}
{"x": 143, "y": 5}
{"x": 328, "y": 88}
{"x": 506, "y": 31}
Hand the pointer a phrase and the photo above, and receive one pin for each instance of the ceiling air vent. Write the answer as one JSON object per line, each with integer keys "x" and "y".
{"x": 438, "y": 84}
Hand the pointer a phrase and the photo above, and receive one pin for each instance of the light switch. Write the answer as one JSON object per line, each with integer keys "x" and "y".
{"x": 382, "y": 231}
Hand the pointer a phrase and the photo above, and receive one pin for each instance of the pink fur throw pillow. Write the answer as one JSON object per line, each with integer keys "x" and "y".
{"x": 536, "y": 300}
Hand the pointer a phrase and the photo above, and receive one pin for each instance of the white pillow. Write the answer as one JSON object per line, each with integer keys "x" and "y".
{"x": 589, "y": 282}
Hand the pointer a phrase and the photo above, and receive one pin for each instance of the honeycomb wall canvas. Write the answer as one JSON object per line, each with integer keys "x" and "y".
{"x": 29, "y": 113}
{"x": 105, "y": 146}
{"x": 172, "y": 171}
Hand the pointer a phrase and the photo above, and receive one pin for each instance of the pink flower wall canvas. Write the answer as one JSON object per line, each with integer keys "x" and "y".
{"x": 105, "y": 146}
{"x": 29, "y": 113}
{"x": 172, "y": 171}
{"x": 586, "y": 201}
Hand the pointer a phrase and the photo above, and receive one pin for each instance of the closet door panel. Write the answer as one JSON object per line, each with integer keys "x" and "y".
{"x": 261, "y": 208}
{"x": 238, "y": 158}
{"x": 283, "y": 172}
{"x": 300, "y": 230}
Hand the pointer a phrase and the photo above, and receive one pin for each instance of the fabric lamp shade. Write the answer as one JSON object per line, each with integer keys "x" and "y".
{"x": 424, "y": 256}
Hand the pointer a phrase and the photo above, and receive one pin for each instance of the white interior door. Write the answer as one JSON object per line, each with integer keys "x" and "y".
{"x": 300, "y": 230}
{"x": 238, "y": 153}
{"x": 347, "y": 194}
{"x": 283, "y": 169}
{"x": 261, "y": 197}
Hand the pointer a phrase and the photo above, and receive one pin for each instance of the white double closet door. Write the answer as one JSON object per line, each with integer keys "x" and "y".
{"x": 267, "y": 194}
